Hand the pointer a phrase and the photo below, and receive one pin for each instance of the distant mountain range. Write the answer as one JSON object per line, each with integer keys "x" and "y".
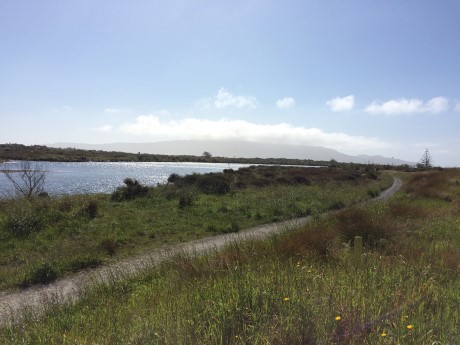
{"x": 243, "y": 149}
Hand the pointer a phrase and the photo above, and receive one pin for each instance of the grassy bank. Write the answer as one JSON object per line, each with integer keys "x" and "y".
{"x": 301, "y": 287}
{"x": 45, "y": 238}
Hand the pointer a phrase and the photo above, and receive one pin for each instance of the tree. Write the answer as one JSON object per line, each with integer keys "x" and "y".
{"x": 28, "y": 179}
{"x": 426, "y": 161}
{"x": 207, "y": 154}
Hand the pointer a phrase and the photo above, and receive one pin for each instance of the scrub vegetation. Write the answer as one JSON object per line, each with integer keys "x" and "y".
{"x": 300, "y": 287}
{"x": 43, "y": 153}
{"x": 44, "y": 238}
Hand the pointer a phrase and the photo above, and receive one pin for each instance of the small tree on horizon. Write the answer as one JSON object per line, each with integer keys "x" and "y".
{"x": 426, "y": 161}
{"x": 207, "y": 154}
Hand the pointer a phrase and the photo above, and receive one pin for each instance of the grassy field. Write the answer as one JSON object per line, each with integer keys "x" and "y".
{"x": 300, "y": 287}
{"x": 44, "y": 238}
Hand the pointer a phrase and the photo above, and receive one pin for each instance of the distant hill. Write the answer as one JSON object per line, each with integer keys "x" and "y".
{"x": 240, "y": 149}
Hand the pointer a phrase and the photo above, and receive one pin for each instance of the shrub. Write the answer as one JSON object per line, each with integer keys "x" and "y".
{"x": 91, "y": 208}
{"x": 213, "y": 184}
{"x": 360, "y": 222}
{"x": 373, "y": 193}
{"x": 110, "y": 246}
{"x": 65, "y": 204}
{"x": 232, "y": 228}
{"x": 337, "y": 205}
{"x": 173, "y": 178}
{"x": 44, "y": 273}
{"x": 317, "y": 239}
{"x": 299, "y": 179}
{"x": 132, "y": 189}
{"x": 22, "y": 219}
{"x": 78, "y": 264}
{"x": 185, "y": 199}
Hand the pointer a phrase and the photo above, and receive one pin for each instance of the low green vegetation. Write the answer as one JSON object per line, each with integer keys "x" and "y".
{"x": 44, "y": 238}
{"x": 304, "y": 286}
{"x": 50, "y": 154}
{"x": 19, "y": 152}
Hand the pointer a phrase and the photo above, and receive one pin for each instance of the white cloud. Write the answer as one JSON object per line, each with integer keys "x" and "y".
{"x": 408, "y": 106}
{"x": 106, "y": 128}
{"x": 225, "y": 99}
{"x": 224, "y": 129}
{"x": 285, "y": 103}
{"x": 342, "y": 103}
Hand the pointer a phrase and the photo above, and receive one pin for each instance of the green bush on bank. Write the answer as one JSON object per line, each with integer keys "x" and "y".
{"x": 131, "y": 190}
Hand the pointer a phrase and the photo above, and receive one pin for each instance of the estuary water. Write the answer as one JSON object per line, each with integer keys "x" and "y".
{"x": 103, "y": 177}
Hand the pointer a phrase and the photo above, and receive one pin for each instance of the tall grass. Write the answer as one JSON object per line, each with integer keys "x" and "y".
{"x": 300, "y": 287}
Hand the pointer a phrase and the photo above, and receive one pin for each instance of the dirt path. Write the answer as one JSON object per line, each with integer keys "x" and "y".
{"x": 36, "y": 300}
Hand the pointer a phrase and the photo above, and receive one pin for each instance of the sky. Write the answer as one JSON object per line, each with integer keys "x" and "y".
{"x": 358, "y": 76}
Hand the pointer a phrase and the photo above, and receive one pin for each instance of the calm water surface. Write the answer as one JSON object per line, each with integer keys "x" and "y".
{"x": 102, "y": 177}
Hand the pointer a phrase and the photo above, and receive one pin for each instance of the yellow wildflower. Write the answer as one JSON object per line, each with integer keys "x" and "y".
{"x": 286, "y": 299}
{"x": 409, "y": 327}
{"x": 338, "y": 318}
{"x": 383, "y": 334}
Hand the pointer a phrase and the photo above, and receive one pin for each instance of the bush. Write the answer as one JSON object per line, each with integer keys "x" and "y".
{"x": 91, "y": 208}
{"x": 132, "y": 189}
{"x": 81, "y": 263}
{"x": 360, "y": 222}
{"x": 319, "y": 239}
{"x": 299, "y": 179}
{"x": 44, "y": 273}
{"x": 373, "y": 193}
{"x": 185, "y": 199}
{"x": 110, "y": 246}
{"x": 232, "y": 228}
{"x": 213, "y": 184}
{"x": 65, "y": 204}
{"x": 173, "y": 178}
{"x": 23, "y": 219}
{"x": 337, "y": 205}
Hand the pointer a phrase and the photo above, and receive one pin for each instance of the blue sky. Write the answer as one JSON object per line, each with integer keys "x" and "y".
{"x": 359, "y": 76}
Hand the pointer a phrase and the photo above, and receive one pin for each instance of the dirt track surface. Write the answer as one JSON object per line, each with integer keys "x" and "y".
{"x": 35, "y": 301}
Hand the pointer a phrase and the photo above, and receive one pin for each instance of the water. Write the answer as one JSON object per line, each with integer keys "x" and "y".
{"x": 102, "y": 177}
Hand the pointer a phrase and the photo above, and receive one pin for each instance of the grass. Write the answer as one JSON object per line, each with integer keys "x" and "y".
{"x": 71, "y": 233}
{"x": 300, "y": 287}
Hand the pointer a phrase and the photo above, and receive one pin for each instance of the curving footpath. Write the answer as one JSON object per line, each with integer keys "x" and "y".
{"x": 35, "y": 301}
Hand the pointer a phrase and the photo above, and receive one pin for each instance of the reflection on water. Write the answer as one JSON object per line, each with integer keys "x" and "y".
{"x": 103, "y": 177}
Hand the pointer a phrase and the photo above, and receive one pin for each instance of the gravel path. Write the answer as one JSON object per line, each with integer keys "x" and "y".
{"x": 36, "y": 300}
